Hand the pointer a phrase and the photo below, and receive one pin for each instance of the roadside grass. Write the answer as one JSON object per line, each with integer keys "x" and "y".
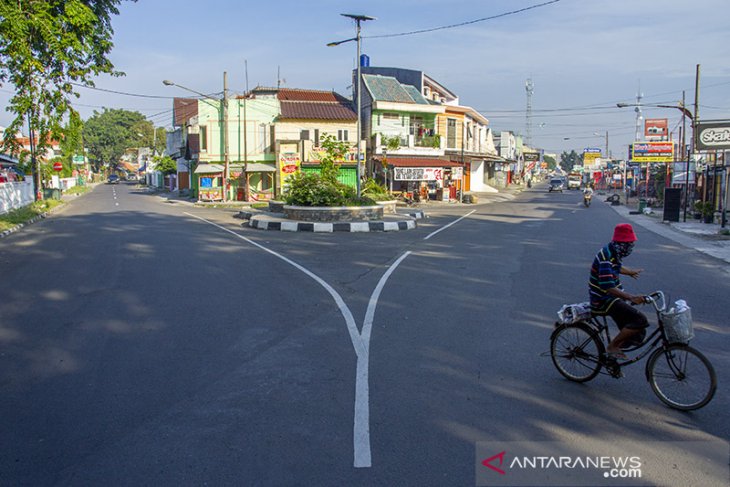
{"x": 27, "y": 213}
{"x": 77, "y": 190}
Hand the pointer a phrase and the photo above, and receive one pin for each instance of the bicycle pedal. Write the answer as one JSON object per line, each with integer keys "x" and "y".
{"x": 616, "y": 372}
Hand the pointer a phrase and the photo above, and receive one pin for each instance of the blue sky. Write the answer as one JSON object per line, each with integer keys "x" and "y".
{"x": 583, "y": 56}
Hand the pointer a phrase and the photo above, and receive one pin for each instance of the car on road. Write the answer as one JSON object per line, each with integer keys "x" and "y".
{"x": 556, "y": 184}
{"x": 574, "y": 181}
{"x": 113, "y": 179}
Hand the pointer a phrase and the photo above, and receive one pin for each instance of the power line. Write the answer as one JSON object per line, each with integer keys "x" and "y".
{"x": 121, "y": 92}
{"x": 461, "y": 24}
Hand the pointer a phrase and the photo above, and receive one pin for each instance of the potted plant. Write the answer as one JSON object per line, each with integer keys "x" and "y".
{"x": 697, "y": 209}
{"x": 707, "y": 209}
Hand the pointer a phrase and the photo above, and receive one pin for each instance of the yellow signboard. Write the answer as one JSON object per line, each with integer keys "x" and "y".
{"x": 591, "y": 158}
{"x": 289, "y": 163}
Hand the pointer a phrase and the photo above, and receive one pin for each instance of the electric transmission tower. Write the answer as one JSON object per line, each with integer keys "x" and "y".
{"x": 639, "y": 117}
{"x": 530, "y": 89}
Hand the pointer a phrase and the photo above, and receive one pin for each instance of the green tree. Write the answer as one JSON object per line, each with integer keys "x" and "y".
{"x": 109, "y": 133}
{"x": 46, "y": 47}
{"x": 568, "y": 160}
{"x": 72, "y": 141}
{"x": 550, "y": 161}
{"x": 165, "y": 164}
{"x": 334, "y": 155}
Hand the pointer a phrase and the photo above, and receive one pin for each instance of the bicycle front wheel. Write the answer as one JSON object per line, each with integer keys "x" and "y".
{"x": 681, "y": 377}
{"x": 575, "y": 350}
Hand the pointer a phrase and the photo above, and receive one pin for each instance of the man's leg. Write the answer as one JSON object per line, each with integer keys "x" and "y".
{"x": 624, "y": 336}
{"x": 630, "y": 321}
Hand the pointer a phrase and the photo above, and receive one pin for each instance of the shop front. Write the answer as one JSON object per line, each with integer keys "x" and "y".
{"x": 422, "y": 178}
{"x": 255, "y": 183}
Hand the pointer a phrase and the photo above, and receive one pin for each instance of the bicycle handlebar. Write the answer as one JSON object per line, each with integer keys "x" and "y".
{"x": 657, "y": 300}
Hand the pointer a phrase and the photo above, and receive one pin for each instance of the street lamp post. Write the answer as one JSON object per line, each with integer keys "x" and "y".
{"x": 224, "y": 123}
{"x": 357, "y": 19}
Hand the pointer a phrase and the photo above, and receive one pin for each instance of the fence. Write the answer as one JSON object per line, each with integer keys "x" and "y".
{"x": 15, "y": 195}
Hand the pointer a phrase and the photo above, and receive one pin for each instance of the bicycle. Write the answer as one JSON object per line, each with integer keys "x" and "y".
{"x": 680, "y": 376}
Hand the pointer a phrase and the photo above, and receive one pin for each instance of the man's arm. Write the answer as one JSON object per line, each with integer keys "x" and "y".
{"x": 614, "y": 291}
{"x": 631, "y": 272}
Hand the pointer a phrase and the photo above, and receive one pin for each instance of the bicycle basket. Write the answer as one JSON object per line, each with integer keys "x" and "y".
{"x": 572, "y": 313}
{"x": 678, "y": 325}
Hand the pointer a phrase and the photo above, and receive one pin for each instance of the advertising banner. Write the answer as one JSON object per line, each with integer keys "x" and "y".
{"x": 289, "y": 163}
{"x": 418, "y": 173}
{"x": 656, "y": 127}
{"x": 713, "y": 135}
{"x": 652, "y": 152}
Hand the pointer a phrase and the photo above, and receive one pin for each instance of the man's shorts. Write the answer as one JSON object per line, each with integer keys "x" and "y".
{"x": 627, "y": 316}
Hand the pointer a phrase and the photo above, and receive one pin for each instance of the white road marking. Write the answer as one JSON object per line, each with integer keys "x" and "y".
{"x": 447, "y": 226}
{"x": 360, "y": 342}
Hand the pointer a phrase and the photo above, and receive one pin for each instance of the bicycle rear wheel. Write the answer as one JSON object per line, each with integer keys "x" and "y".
{"x": 681, "y": 377}
{"x": 576, "y": 350}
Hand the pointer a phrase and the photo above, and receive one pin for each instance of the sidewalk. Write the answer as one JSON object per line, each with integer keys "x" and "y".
{"x": 703, "y": 237}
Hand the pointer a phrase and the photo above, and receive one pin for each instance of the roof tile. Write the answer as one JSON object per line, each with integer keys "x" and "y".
{"x": 317, "y": 111}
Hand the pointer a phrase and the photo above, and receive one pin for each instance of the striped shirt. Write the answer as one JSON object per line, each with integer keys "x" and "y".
{"x": 605, "y": 273}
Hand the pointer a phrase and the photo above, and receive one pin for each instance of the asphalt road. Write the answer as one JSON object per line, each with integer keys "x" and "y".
{"x": 152, "y": 343}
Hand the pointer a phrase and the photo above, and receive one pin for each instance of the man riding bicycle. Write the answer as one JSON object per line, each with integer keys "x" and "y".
{"x": 607, "y": 295}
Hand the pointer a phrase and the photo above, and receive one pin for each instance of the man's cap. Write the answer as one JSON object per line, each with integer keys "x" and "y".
{"x": 624, "y": 232}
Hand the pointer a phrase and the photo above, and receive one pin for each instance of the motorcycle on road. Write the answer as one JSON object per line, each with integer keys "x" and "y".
{"x": 587, "y": 198}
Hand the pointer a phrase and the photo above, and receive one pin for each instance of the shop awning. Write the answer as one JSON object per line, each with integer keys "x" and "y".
{"x": 218, "y": 168}
{"x": 485, "y": 157}
{"x": 420, "y": 162}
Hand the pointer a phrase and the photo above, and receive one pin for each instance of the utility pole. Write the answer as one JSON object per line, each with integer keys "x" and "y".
{"x": 359, "y": 107}
{"x": 245, "y": 137}
{"x": 686, "y": 153}
{"x": 695, "y": 121}
{"x": 226, "y": 160}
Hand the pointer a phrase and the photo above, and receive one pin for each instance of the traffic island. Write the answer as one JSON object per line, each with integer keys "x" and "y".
{"x": 331, "y": 220}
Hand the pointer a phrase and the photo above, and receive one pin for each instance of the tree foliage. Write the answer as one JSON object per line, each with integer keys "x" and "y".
{"x": 109, "y": 133}
{"x": 334, "y": 155}
{"x": 153, "y": 137}
{"x": 550, "y": 161}
{"x": 45, "y": 47}
{"x": 72, "y": 142}
{"x": 165, "y": 164}
{"x": 568, "y": 160}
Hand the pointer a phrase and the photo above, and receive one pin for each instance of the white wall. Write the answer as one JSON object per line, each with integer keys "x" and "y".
{"x": 15, "y": 195}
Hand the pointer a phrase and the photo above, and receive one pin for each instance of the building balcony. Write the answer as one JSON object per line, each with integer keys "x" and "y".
{"x": 412, "y": 145}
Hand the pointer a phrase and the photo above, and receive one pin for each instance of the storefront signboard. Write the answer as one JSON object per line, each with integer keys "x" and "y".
{"x": 713, "y": 135}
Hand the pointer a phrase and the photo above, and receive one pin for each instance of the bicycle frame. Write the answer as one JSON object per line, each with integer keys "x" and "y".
{"x": 600, "y": 324}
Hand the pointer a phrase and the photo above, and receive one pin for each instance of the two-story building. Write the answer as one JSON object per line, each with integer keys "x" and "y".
{"x": 400, "y": 127}
{"x": 305, "y": 117}
{"x": 460, "y": 135}
{"x": 271, "y": 133}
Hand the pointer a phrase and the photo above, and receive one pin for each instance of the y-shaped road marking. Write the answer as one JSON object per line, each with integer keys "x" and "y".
{"x": 360, "y": 341}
